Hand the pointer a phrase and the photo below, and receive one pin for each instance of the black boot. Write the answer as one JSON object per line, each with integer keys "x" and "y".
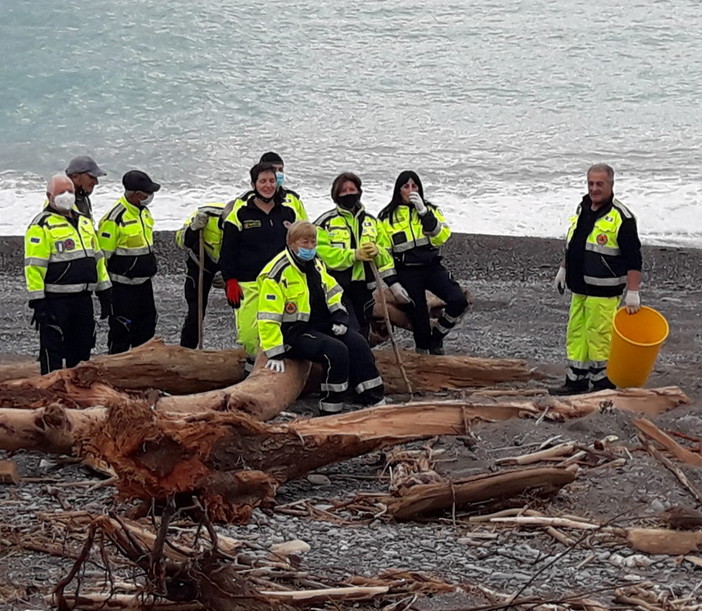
{"x": 436, "y": 346}
{"x": 571, "y": 388}
{"x": 603, "y": 384}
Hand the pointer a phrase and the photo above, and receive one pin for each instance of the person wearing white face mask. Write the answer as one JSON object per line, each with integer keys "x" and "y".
{"x": 127, "y": 239}
{"x": 301, "y": 316}
{"x": 63, "y": 265}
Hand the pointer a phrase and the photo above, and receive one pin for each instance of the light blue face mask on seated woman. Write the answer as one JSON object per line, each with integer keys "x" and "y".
{"x": 306, "y": 254}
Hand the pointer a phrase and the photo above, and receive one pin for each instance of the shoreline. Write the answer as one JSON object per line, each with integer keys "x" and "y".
{"x": 470, "y": 256}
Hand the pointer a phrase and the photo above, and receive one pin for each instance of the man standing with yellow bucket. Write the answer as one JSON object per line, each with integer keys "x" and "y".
{"x": 602, "y": 258}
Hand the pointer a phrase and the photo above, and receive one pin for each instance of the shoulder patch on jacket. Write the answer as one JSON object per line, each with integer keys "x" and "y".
{"x": 324, "y": 218}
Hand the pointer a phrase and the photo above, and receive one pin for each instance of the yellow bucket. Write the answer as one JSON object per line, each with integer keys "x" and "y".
{"x": 636, "y": 340}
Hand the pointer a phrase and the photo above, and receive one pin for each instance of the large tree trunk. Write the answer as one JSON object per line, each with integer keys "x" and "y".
{"x": 176, "y": 370}
{"x": 235, "y": 462}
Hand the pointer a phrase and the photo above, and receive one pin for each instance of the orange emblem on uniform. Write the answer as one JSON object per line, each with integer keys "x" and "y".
{"x": 602, "y": 239}
{"x": 290, "y": 308}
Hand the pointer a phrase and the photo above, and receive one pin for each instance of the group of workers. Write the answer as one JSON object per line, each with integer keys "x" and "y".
{"x": 300, "y": 290}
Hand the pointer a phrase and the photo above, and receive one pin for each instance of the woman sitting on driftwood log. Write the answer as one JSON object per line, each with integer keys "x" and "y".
{"x": 300, "y": 316}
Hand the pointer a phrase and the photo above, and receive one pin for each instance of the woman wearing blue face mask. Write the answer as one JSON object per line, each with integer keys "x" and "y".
{"x": 348, "y": 244}
{"x": 301, "y": 316}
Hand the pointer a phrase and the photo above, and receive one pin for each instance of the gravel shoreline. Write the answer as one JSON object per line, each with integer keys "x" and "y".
{"x": 516, "y": 313}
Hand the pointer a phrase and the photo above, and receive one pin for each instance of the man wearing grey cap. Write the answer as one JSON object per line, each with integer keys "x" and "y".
{"x": 84, "y": 173}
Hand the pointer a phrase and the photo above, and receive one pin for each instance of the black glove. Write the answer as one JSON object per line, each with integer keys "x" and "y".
{"x": 105, "y": 299}
{"x": 42, "y": 314}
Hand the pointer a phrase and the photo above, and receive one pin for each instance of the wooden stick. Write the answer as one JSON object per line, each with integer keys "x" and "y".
{"x": 537, "y": 521}
{"x": 528, "y": 459}
{"x": 676, "y": 471}
{"x": 682, "y": 454}
{"x": 200, "y": 292}
{"x": 384, "y": 306}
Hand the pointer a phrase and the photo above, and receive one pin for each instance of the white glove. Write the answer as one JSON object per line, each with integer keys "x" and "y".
{"x": 277, "y": 365}
{"x": 199, "y": 221}
{"x": 418, "y": 203}
{"x": 560, "y": 282}
{"x": 218, "y": 281}
{"x": 339, "y": 329}
{"x": 632, "y": 301}
{"x": 400, "y": 293}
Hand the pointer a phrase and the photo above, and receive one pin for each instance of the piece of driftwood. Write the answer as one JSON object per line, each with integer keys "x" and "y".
{"x": 8, "y": 472}
{"x": 178, "y": 371}
{"x": 55, "y": 429}
{"x": 425, "y": 499}
{"x": 664, "y": 541}
{"x": 682, "y": 454}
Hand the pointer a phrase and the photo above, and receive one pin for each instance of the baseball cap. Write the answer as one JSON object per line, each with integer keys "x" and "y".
{"x": 136, "y": 180}
{"x": 84, "y": 165}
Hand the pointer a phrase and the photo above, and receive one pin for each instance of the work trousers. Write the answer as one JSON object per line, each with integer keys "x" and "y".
{"x": 133, "y": 320}
{"x": 247, "y": 319}
{"x": 189, "y": 333}
{"x": 69, "y": 335}
{"x": 437, "y": 279}
{"x": 347, "y": 361}
{"x": 358, "y": 301}
{"x": 588, "y": 337}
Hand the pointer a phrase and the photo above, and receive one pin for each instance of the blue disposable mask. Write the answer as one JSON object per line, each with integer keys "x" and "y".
{"x": 280, "y": 178}
{"x": 306, "y": 254}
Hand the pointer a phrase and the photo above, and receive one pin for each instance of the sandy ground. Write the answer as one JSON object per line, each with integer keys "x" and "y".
{"x": 516, "y": 313}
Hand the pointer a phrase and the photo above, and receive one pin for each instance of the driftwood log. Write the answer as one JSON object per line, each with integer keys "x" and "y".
{"x": 175, "y": 370}
{"x": 233, "y": 462}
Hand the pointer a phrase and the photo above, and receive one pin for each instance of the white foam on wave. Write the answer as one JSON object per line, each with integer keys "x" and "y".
{"x": 670, "y": 213}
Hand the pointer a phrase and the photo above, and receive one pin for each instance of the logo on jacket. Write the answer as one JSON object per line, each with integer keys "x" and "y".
{"x": 252, "y": 224}
{"x": 601, "y": 239}
{"x": 290, "y": 307}
{"x": 65, "y": 245}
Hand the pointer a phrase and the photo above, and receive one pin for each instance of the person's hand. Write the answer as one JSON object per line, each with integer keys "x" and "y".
{"x": 400, "y": 293}
{"x": 42, "y": 314}
{"x": 339, "y": 329}
{"x": 218, "y": 281}
{"x": 105, "y": 299}
{"x": 277, "y": 365}
{"x": 418, "y": 203}
{"x": 632, "y": 301}
{"x": 370, "y": 249}
{"x": 199, "y": 221}
{"x": 559, "y": 282}
{"x": 362, "y": 255}
{"x": 234, "y": 293}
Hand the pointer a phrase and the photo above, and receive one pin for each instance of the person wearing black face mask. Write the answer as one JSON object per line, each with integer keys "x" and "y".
{"x": 415, "y": 230}
{"x": 254, "y": 232}
{"x": 347, "y": 242}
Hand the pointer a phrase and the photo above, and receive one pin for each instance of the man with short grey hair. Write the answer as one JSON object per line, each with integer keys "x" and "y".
{"x": 602, "y": 259}
{"x": 84, "y": 173}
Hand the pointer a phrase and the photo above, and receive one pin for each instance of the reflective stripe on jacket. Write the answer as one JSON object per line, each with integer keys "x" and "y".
{"x": 188, "y": 239}
{"x": 284, "y": 299}
{"x": 603, "y": 264}
{"x": 126, "y": 235}
{"x": 340, "y": 233}
{"x": 62, "y": 256}
{"x": 414, "y": 239}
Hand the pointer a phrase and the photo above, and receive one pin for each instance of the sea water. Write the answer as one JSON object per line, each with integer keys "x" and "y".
{"x": 499, "y": 105}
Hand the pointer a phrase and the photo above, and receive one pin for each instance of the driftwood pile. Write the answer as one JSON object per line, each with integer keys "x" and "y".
{"x": 212, "y": 457}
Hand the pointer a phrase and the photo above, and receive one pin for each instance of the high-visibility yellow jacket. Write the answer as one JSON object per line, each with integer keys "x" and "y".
{"x": 414, "y": 239}
{"x": 62, "y": 255}
{"x": 607, "y": 259}
{"x": 188, "y": 239}
{"x": 340, "y": 233}
{"x": 126, "y": 235}
{"x": 285, "y": 304}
